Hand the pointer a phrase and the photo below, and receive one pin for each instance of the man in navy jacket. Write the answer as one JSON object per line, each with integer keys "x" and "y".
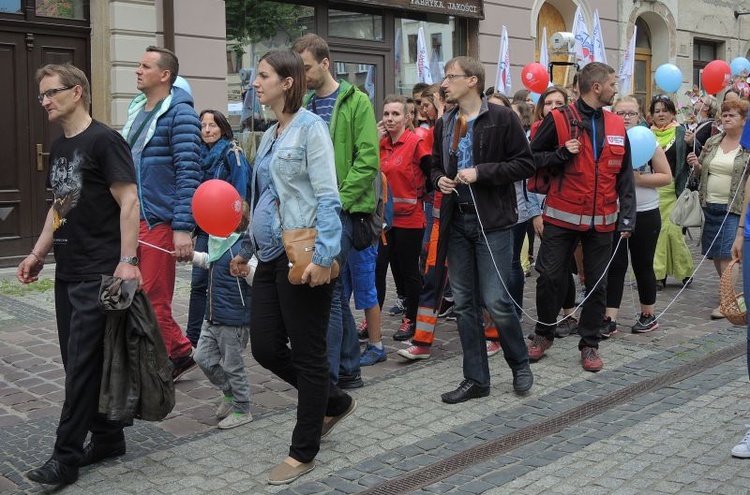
{"x": 163, "y": 132}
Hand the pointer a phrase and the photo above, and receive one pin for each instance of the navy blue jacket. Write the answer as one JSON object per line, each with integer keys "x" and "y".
{"x": 224, "y": 304}
{"x": 170, "y": 169}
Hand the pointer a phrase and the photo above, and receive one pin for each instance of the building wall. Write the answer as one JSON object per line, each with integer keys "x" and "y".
{"x": 121, "y": 31}
{"x": 674, "y": 25}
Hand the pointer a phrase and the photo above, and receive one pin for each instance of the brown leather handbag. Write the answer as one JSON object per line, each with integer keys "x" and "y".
{"x": 299, "y": 245}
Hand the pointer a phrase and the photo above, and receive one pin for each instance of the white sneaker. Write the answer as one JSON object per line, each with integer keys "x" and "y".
{"x": 742, "y": 449}
{"x": 234, "y": 420}
{"x": 224, "y": 408}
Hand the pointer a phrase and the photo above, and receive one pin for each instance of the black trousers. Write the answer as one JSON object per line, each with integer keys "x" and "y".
{"x": 642, "y": 245}
{"x": 298, "y": 314}
{"x": 80, "y": 328}
{"x": 552, "y": 263}
{"x": 403, "y": 245}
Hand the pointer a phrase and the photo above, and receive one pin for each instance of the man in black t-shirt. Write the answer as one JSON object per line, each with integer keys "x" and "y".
{"x": 93, "y": 228}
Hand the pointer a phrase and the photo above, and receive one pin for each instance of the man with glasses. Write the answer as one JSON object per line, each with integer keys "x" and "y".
{"x": 478, "y": 212}
{"x": 93, "y": 227}
{"x": 594, "y": 172}
{"x": 164, "y": 135}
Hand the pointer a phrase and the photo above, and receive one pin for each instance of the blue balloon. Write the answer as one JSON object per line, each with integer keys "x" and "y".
{"x": 642, "y": 145}
{"x": 668, "y": 77}
{"x": 181, "y": 82}
{"x": 740, "y": 66}
{"x": 534, "y": 97}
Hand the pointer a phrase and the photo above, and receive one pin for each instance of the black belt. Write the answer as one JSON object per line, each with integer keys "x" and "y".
{"x": 467, "y": 208}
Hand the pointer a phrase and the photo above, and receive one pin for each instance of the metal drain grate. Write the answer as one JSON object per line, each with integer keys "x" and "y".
{"x": 433, "y": 473}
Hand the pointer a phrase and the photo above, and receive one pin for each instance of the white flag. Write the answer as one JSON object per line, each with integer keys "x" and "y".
{"x": 423, "y": 59}
{"x": 584, "y": 45}
{"x": 543, "y": 53}
{"x": 502, "y": 78}
{"x": 627, "y": 68}
{"x": 599, "y": 54}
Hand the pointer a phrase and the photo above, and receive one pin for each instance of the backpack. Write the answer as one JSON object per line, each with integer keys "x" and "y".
{"x": 234, "y": 148}
{"x": 369, "y": 227}
{"x": 540, "y": 182}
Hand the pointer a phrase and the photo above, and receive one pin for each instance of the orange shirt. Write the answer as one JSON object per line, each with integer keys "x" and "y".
{"x": 399, "y": 162}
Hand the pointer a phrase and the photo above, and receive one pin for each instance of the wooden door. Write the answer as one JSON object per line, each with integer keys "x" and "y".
{"x": 24, "y": 198}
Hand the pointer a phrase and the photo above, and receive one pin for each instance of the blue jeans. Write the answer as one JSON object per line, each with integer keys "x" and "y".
{"x": 475, "y": 284}
{"x": 746, "y": 290}
{"x": 342, "y": 339}
{"x": 198, "y": 294}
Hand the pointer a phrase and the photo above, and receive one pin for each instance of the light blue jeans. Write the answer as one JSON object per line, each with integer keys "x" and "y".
{"x": 219, "y": 342}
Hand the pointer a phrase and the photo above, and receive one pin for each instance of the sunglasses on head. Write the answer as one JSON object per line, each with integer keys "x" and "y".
{"x": 660, "y": 97}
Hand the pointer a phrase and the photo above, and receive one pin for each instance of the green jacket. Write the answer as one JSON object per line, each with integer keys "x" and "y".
{"x": 354, "y": 132}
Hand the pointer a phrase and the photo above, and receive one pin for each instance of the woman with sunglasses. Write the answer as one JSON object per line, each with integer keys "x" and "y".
{"x": 642, "y": 243}
{"x": 672, "y": 255}
{"x": 721, "y": 168}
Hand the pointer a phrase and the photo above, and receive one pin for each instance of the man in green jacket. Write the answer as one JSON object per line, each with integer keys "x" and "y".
{"x": 351, "y": 120}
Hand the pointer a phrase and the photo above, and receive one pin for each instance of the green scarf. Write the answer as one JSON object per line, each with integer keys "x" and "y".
{"x": 217, "y": 246}
{"x": 665, "y": 137}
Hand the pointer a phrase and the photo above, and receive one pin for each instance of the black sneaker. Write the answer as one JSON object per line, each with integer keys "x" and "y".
{"x": 609, "y": 328}
{"x": 348, "y": 382}
{"x": 182, "y": 365}
{"x": 405, "y": 330}
{"x": 567, "y": 327}
{"x": 397, "y": 308}
{"x": 446, "y": 308}
{"x": 645, "y": 323}
{"x": 362, "y": 331}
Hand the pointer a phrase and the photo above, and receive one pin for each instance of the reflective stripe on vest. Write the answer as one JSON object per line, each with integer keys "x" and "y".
{"x": 574, "y": 219}
{"x": 435, "y": 212}
{"x": 411, "y": 201}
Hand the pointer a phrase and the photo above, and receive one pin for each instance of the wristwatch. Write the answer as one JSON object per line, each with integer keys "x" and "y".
{"x": 131, "y": 260}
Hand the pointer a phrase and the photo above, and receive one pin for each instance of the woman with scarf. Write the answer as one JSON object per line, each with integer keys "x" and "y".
{"x": 672, "y": 256}
{"x": 221, "y": 158}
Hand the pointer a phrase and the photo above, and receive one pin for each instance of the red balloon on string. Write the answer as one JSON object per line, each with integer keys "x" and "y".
{"x": 716, "y": 76}
{"x": 534, "y": 77}
{"x": 217, "y": 207}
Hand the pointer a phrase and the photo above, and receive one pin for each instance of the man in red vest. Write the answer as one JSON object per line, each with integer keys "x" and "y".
{"x": 588, "y": 152}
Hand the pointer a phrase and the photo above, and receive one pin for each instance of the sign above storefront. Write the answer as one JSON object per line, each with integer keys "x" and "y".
{"x": 458, "y": 8}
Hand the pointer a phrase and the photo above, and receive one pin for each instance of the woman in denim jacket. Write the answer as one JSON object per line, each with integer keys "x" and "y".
{"x": 294, "y": 186}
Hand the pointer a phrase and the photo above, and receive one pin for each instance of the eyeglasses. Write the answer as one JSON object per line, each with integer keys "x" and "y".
{"x": 451, "y": 77}
{"x": 627, "y": 114}
{"x": 51, "y": 93}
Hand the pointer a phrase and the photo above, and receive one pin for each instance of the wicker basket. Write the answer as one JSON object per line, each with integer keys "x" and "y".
{"x": 732, "y": 305}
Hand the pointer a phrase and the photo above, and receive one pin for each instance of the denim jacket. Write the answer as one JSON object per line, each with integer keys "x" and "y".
{"x": 304, "y": 178}
{"x": 528, "y": 202}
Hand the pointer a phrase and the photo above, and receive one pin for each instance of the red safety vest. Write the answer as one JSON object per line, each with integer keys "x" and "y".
{"x": 400, "y": 164}
{"x": 585, "y": 195}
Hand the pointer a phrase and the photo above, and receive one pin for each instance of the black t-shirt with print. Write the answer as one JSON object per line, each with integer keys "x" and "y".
{"x": 86, "y": 218}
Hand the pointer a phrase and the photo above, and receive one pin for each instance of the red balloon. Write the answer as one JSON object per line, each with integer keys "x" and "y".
{"x": 717, "y": 75}
{"x": 217, "y": 207}
{"x": 534, "y": 77}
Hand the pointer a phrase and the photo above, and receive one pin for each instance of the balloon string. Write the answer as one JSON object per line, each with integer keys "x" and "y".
{"x": 155, "y": 247}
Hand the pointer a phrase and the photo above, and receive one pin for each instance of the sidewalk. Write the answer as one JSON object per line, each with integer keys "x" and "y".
{"x": 673, "y": 439}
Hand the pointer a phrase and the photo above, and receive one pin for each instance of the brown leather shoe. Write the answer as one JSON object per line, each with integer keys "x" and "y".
{"x": 590, "y": 359}
{"x": 538, "y": 346}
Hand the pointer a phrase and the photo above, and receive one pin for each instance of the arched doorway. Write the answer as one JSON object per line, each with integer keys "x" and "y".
{"x": 552, "y": 16}
{"x": 642, "y": 71}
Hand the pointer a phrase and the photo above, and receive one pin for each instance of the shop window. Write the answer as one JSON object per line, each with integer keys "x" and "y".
{"x": 704, "y": 51}
{"x": 234, "y": 61}
{"x": 406, "y": 49}
{"x": 341, "y": 69}
{"x": 13, "y": 6}
{"x": 356, "y": 25}
{"x": 64, "y": 9}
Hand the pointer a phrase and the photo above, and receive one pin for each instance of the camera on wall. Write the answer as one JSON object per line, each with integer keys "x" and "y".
{"x": 563, "y": 41}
